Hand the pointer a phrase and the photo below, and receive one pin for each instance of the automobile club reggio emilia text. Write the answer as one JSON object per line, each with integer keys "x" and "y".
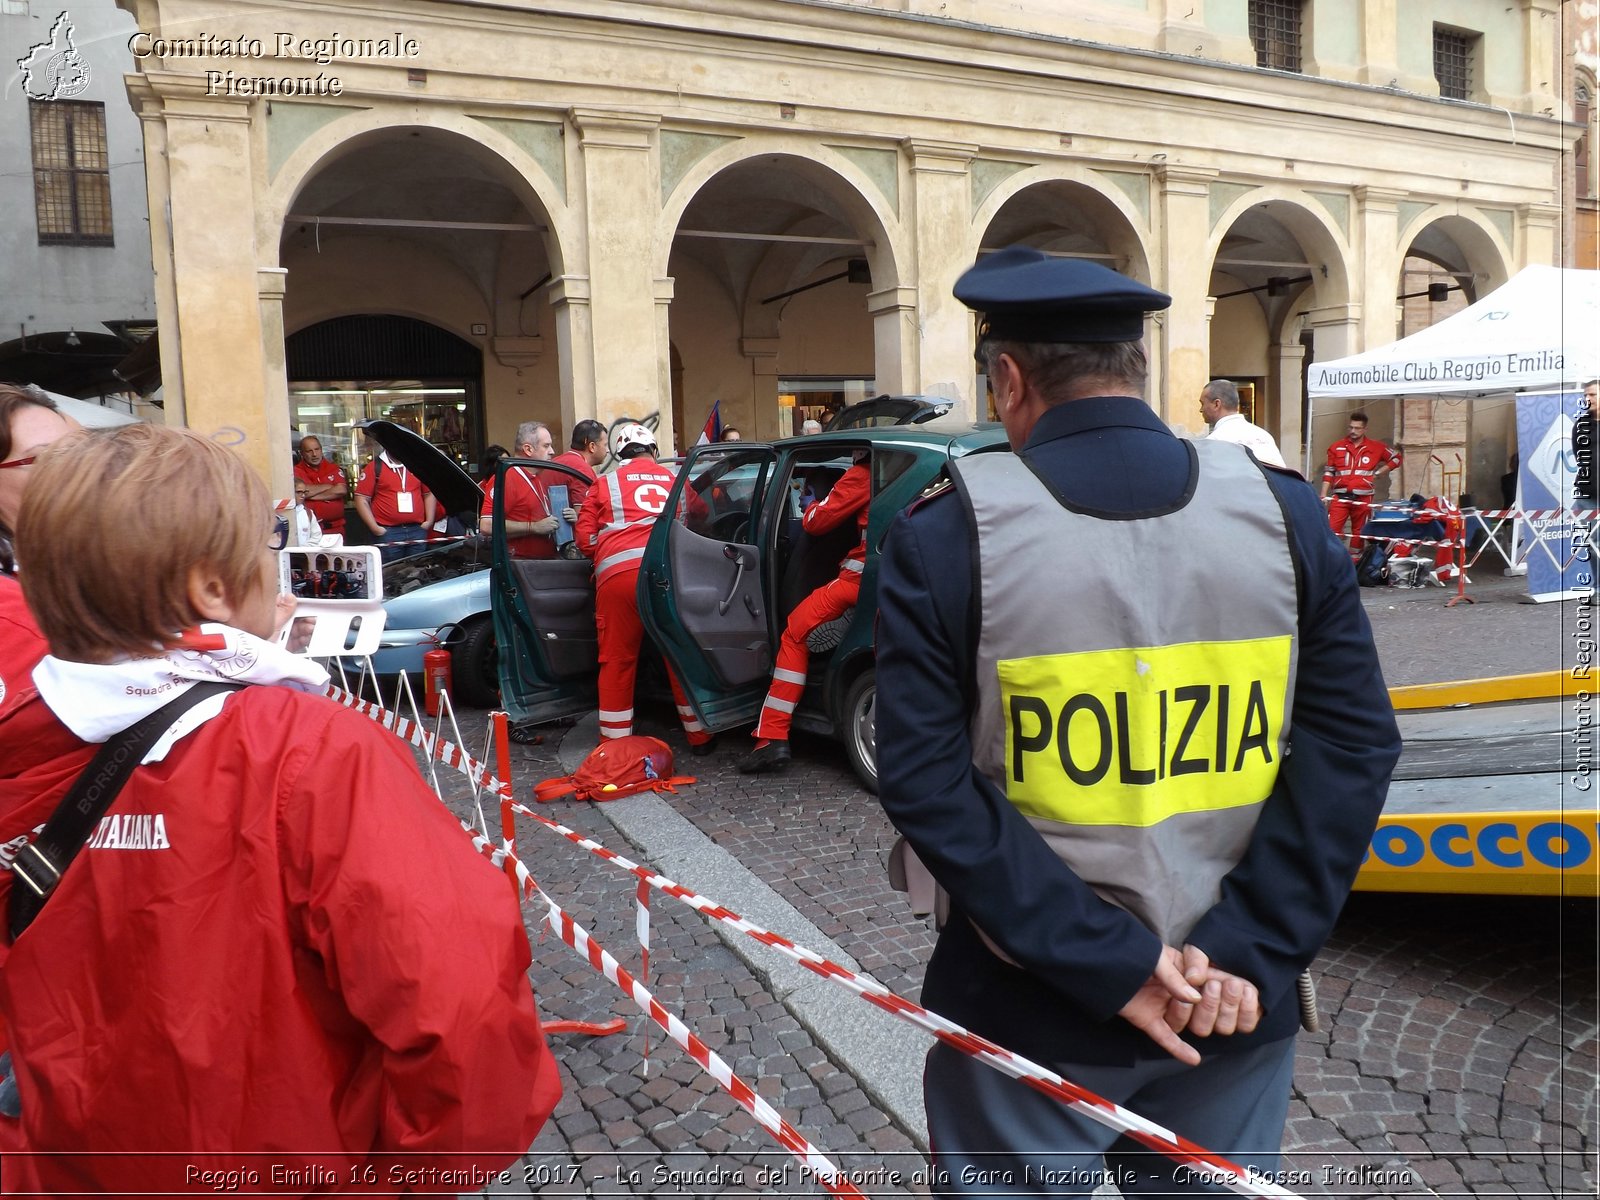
{"x": 320, "y": 51}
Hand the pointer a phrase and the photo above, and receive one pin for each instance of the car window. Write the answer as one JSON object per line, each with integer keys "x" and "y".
{"x": 724, "y": 488}
{"x": 889, "y": 465}
{"x": 811, "y": 477}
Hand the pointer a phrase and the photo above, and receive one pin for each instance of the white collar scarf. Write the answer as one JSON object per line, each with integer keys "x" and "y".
{"x": 98, "y": 700}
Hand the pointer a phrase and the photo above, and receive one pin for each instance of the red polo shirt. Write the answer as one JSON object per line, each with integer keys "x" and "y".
{"x": 329, "y": 513}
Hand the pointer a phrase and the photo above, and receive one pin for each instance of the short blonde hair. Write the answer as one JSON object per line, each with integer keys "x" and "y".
{"x": 112, "y": 523}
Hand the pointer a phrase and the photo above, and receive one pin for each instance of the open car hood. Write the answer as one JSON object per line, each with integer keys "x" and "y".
{"x": 439, "y": 473}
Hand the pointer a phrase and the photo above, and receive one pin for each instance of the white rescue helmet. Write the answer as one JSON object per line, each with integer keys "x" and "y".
{"x": 631, "y": 434}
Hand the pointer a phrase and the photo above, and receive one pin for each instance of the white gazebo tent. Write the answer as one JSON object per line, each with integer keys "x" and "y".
{"x": 1538, "y": 332}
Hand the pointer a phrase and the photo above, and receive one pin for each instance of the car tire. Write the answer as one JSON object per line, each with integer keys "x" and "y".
{"x": 475, "y": 665}
{"x": 860, "y": 727}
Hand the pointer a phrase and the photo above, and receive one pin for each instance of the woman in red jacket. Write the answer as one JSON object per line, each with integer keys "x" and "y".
{"x": 276, "y": 960}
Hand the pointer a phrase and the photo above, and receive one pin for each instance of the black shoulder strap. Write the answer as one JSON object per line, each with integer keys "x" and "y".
{"x": 377, "y": 469}
{"x": 40, "y": 864}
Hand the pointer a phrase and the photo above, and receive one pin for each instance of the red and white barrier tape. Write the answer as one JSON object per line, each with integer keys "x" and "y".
{"x": 1215, "y": 1167}
{"x": 1218, "y": 1169}
{"x": 574, "y": 935}
{"x": 813, "y": 1160}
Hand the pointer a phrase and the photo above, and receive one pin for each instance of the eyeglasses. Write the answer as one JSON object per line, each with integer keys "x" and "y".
{"x": 280, "y": 534}
{"x": 18, "y": 462}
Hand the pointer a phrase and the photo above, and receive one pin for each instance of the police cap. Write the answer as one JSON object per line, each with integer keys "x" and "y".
{"x": 1026, "y": 295}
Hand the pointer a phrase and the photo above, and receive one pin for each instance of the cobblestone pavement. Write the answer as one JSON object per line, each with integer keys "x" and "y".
{"x": 1459, "y": 1047}
{"x": 672, "y": 1131}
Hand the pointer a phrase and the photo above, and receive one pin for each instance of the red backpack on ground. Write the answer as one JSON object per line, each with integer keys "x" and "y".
{"x": 615, "y": 768}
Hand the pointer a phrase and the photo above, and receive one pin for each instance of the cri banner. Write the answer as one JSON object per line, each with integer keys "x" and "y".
{"x": 1545, "y": 477}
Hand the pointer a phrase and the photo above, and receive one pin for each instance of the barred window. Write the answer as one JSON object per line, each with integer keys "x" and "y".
{"x": 1452, "y": 62}
{"x": 1275, "y": 31}
{"x": 71, "y": 172}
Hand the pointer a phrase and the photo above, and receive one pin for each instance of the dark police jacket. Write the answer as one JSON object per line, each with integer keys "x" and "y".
{"x": 1081, "y": 957}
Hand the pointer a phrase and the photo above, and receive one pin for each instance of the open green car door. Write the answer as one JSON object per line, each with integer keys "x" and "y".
{"x": 543, "y": 616}
{"x": 702, "y": 594}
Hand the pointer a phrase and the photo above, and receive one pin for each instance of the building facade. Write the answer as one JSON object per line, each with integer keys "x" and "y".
{"x": 76, "y": 253}
{"x": 465, "y": 216}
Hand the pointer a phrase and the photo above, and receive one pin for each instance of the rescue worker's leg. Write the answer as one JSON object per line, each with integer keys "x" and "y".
{"x": 1360, "y": 510}
{"x": 616, "y": 619}
{"x": 831, "y": 600}
{"x": 700, "y": 738}
{"x": 1338, "y": 513}
{"x": 993, "y": 1136}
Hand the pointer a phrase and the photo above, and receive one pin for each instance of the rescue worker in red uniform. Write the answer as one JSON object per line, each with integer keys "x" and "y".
{"x": 320, "y": 484}
{"x": 848, "y": 498}
{"x": 613, "y": 527}
{"x": 277, "y": 941}
{"x": 394, "y": 505}
{"x": 528, "y": 520}
{"x": 1355, "y": 463}
{"x": 588, "y": 452}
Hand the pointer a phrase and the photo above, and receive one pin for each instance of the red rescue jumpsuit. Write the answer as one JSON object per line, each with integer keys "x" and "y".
{"x": 849, "y": 498}
{"x": 1350, "y": 470}
{"x": 613, "y": 526}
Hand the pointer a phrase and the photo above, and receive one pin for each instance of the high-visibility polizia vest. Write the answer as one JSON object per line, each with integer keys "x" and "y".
{"x": 1135, "y": 674}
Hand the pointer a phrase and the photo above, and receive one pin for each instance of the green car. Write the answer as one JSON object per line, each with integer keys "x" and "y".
{"x": 716, "y": 586}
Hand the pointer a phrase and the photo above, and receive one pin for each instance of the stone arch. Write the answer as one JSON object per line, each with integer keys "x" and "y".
{"x": 539, "y": 194}
{"x": 858, "y": 195}
{"x": 1461, "y": 247}
{"x": 437, "y": 216}
{"x": 1128, "y": 236}
{"x": 1486, "y": 252}
{"x": 1273, "y": 255}
{"x": 1312, "y": 226}
{"x": 794, "y": 216}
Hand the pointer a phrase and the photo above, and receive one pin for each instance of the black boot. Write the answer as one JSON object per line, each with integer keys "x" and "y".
{"x": 768, "y": 756}
{"x": 701, "y": 749}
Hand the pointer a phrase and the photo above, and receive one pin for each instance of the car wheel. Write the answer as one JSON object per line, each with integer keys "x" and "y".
{"x": 861, "y": 727}
{"x": 475, "y": 665}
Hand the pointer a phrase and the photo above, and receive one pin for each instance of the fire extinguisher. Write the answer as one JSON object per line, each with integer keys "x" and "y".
{"x": 435, "y": 678}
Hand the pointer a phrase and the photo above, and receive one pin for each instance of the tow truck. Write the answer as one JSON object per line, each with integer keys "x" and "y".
{"x": 1497, "y": 791}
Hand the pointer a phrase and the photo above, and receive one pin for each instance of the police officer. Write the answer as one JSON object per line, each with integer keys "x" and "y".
{"x": 1141, "y": 742}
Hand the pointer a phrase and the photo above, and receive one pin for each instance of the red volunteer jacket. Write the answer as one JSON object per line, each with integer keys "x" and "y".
{"x": 39, "y": 756}
{"x": 614, "y": 522}
{"x": 278, "y": 940}
{"x": 1351, "y": 468}
{"x": 848, "y": 498}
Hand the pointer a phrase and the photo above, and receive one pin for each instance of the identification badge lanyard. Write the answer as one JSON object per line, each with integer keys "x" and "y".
{"x": 534, "y": 489}
{"x": 404, "y": 501}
